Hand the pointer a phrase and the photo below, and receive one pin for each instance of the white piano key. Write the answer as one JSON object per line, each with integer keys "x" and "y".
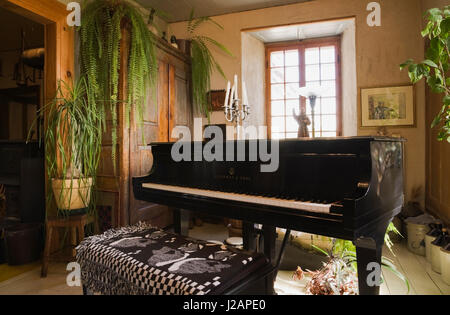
{"x": 292, "y": 204}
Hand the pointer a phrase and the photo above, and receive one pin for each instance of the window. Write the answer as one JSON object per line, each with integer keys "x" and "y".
{"x": 310, "y": 63}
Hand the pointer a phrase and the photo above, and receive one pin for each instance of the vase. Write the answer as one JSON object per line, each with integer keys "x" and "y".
{"x": 72, "y": 194}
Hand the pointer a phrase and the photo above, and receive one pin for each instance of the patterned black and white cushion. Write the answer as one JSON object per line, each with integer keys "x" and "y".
{"x": 145, "y": 260}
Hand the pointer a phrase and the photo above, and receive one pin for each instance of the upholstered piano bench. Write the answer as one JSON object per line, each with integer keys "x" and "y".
{"x": 144, "y": 260}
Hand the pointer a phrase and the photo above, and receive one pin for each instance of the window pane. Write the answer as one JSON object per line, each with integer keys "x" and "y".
{"x": 292, "y": 135}
{"x": 292, "y": 74}
{"x": 329, "y": 134}
{"x": 328, "y": 106}
{"x": 328, "y": 71}
{"x": 312, "y": 56}
{"x": 292, "y": 90}
{"x": 317, "y": 123}
{"x": 277, "y": 124}
{"x": 277, "y": 108}
{"x": 313, "y": 83}
{"x": 329, "y": 122}
{"x": 312, "y": 73}
{"x": 318, "y": 67}
{"x": 316, "y": 107}
{"x": 327, "y": 54}
{"x": 291, "y": 58}
{"x": 277, "y": 135}
{"x": 291, "y": 105}
{"x": 277, "y": 91}
{"x": 291, "y": 124}
{"x": 277, "y": 59}
{"x": 331, "y": 88}
{"x": 277, "y": 75}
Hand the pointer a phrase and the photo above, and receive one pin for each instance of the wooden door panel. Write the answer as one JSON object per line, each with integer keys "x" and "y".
{"x": 180, "y": 113}
{"x": 155, "y": 126}
{"x": 172, "y": 108}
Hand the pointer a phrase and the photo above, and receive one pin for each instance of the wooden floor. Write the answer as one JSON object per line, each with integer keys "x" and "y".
{"x": 422, "y": 279}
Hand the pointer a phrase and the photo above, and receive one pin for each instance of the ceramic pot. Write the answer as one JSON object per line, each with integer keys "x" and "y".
{"x": 436, "y": 258}
{"x": 428, "y": 240}
{"x": 445, "y": 264}
{"x": 72, "y": 194}
{"x": 416, "y": 237}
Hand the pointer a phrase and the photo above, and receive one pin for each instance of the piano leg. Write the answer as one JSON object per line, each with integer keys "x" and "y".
{"x": 270, "y": 237}
{"x": 368, "y": 254}
{"x": 181, "y": 221}
{"x": 249, "y": 236}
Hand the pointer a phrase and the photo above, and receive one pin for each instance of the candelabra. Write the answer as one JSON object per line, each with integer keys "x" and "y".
{"x": 234, "y": 111}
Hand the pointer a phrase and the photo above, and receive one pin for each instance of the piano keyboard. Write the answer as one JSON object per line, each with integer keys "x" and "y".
{"x": 292, "y": 204}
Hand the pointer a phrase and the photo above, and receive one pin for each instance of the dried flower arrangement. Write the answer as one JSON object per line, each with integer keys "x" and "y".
{"x": 335, "y": 278}
{"x": 338, "y": 276}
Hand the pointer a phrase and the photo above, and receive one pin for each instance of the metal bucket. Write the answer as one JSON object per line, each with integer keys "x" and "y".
{"x": 445, "y": 264}
{"x": 416, "y": 237}
{"x": 428, "y": 240}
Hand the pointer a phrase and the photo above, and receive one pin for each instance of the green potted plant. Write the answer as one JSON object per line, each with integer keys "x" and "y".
{"x": 436, "y": 65}
{"x": 72, "y": 138}
{"x": 202, "y": 61}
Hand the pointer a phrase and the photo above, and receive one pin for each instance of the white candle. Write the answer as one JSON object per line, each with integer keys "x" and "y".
{"x": 228, "y": 93}
{"x": 236, "y": 87}
{"x": 244, "y": 93}
{"x": 232, "y": 95}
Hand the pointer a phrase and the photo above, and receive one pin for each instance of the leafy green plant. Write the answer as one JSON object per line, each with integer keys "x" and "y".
{"x": 73, "y": 137}
{"x": 203, "y": 62}
{"x": 436, "y": 65}
{"x": 344, "y": 250}
{"x": 100, "y": 33}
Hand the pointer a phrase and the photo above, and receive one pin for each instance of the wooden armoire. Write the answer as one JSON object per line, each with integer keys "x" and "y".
{"x": 116, "y": 203}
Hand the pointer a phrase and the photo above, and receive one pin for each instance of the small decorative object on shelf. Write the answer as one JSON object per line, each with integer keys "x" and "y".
{"x": 173, "y": 41}
{"x": 303, "y": 123}
{"x": 312, "y": 93}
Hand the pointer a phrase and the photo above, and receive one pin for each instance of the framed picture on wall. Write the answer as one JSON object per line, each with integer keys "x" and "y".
{"x": 217, "y": 99}
{"x": 388, "y": 106}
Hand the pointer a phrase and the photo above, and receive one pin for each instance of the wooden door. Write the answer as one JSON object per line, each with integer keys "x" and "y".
{"x": 155, "y": 129}
{"x": 180, "y": 113}
{"x": 170, "y": 107}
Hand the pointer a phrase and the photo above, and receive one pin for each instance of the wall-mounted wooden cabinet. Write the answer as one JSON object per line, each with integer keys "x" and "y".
{"x": 171, "y": 107}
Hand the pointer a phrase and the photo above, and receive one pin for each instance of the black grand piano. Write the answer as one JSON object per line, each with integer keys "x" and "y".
{"x": 347, "y": 188}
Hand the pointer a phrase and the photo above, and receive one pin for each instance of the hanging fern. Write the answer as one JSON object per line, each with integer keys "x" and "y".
{"x": 100, "y": 34}
{"x": 203, "y": 62}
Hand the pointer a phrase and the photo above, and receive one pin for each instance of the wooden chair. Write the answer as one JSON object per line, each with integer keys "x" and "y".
{"x": 76, "y": 225}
